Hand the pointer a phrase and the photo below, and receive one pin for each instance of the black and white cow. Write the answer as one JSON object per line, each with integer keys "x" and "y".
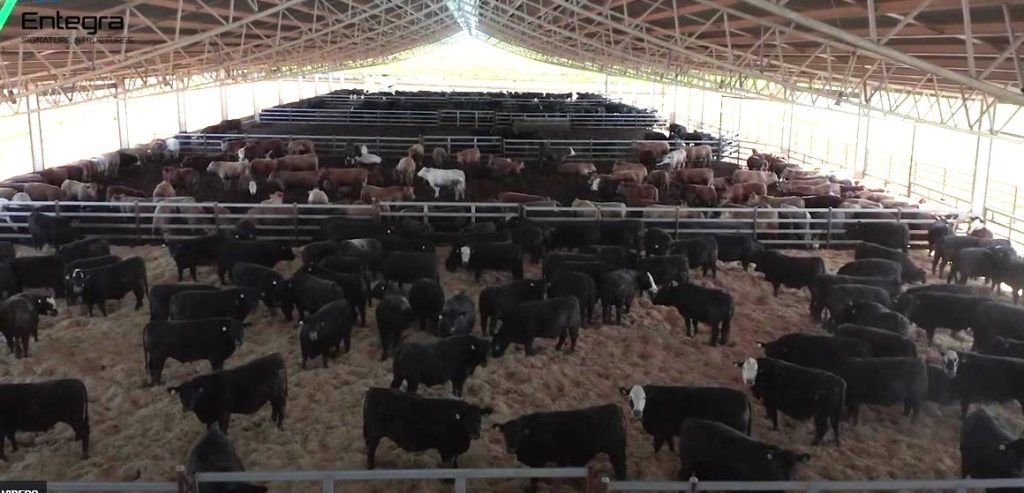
{"x": 798, "y": 392}
{"x": 663, "y": 408}
{"x": 982, "y": 378}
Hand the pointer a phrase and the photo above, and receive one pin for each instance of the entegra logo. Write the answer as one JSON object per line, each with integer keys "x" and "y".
{"x": 5, "y": 12}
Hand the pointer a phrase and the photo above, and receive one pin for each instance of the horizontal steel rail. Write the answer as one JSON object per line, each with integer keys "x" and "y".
{"x": 348, "y": 115}
{"x": 110, "y": 486}
{"x": 958, "y": 485}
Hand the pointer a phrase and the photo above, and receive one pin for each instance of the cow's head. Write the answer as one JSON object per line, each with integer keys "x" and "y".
{"x": 572, "y": 152}
{"x": 595, "y": 183}
{"x": 470, "y": 417}
{"x": 951, "y": 363}
{"x": 477, "y": 350}
{"x": 285, "y": 253}
{"x": 188, "y": 393}
{"x": 363, "y": 150}
{"x": 235, "y": 330}
{"x": 454, "y": 319}
{"x": 78, "y": 279}
{"x": 252, "y": 188}
{"x": 47, "y": 306}
{"x": 647, "y": 284}
{"x": 748, "y": 371}
{"x": 500, "y": 342}
{"x": 514, "y": 431}
{"x": 783, "y": 462}
{"x": 637, "y": 397}
{"x": 241, "y": 154}
{"x": 465, "y": 253}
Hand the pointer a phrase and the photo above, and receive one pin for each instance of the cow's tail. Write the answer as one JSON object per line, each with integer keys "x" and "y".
{"x": 145, "y": 348}
{"x": 750, "y": 419}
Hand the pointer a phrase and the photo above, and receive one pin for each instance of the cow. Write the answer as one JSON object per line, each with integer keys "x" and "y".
{"x": 188, "y": 253}
{"x": 477, "y": 257}
{"x": 701, "y": 251}
{"x": 740, "y": 193}
{"x": 550, "y": 318}
{"x": 798, "y": 392}
{"x": 699, "y": 304}
{"x": 884, "y": 381}
{"x": 640, "y": 195}
{"x": 695, "y": 176}
{"x": 619, "y": 287}
{"x": 467, "y": 157}
{"x": 50, "y": 230}
{"x": 211, "y": 339}
{"x": 793, "y": 272}
{"x": 311, "y": 293}
{"x": 229, "y": 172}
{"x": 406, "y": 267}
{"x": 883, "y": 343}
{"x": 872, "y": 267}
{"x": 214, "y": 397}
{"x": 1001, "y": 346}
{"x": 815, "y": 351}
{"x": 458, "y": 316}
{"x": 445, "y": 425}
{"x": 932, "y": 310}
{"x": 438, "y": 178}
{"x": 335, "y": 178}
{"x": 739, "y": 248}
{"x": 261, "y": 252}
{"x": 97, "y": 285}
{"x": 19, "y": 321}
{"x": 160, "y": 298}
{"x": 199, "y": 304}
{"x": 871, "y": 314}
{"x": 36, "y": 407}
{"x": 300, "y": 146}
{"x": 662, "y": 409}
{"x": 394, "y": 315}
{"x": 837, "y": 298}
{"x": 970, "y": 263}
{"x": 80, "y": 249}
{"x": 426, "y": 298}
{"x": 272, "y": 287}
{"x": 890, "y": 235}
{"x": 452, "y": 359}
{"x": 824, "y": 282}
{"x": 39, "y": 271}
{"x": 323, "y": 333}
{"x": 506, "y": 167}
{"x": 568, "y": 438}
{"x": 716, "y": 452}
{"x": 495, "y": 301}
{"x": 988, "y": 450}
{"x": 979, "y": 378}
{"x": 214, "y": 453}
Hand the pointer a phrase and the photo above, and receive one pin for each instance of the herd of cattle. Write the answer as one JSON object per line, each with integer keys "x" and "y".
{"x": 869, "y": 357}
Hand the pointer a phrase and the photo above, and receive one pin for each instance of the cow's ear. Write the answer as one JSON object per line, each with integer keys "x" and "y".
{"x": 623, "y": 391}
{"x": 498, "y": 426}
{"x": 737, "y": 364}
{"x": 487, "y": 411}
{"x": 1002, "y": 447}
{"x": 224, "y": 328}
{"x": 761, "y": 344}
{"x": 172, "y": 390}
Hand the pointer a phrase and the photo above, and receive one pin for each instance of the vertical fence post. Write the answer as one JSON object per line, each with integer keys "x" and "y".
{"x": 755, "y": 223}
{"x": 295, "y": 221}
{"x": 181, "y": 479}
{"x": 138, "y": 223}
{"x": 216, "y": 217}
{"x": 327, "y": 485}
{"x": 460, "y": 485}
{"x": 472, "y": 214}
{"x": 828, "y": 230}
{"x": 678, "y": 209}
{"x": 56, "y": 208}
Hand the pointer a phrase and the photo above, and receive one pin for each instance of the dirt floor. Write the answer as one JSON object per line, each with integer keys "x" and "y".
{"x": 141, "y": 433}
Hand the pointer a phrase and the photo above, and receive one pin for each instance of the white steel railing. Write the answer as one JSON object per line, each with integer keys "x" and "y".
{"x": 453, "y": 117}
{"x": 694, "y": 486}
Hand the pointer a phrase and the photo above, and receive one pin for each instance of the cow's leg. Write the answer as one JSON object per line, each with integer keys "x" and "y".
{"x": 3, "y": 435}
{"x": 773, "y": 415}
{"x": 278, "y": 405}
{"x": 820, "y": 427}
{"x": 324, "y": 358}
{"x": 659, "y": 441}
{"x": 180, "y": 272}
{"x": 618, "y": 460}
{"x": 82, "y": 433}
{"x": 103, "y": 307}
{"x": 371, "y": 452}
{"x": 224, "y": 421}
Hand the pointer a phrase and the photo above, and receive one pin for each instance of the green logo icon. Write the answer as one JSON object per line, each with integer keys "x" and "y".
{"x": 5, "y": 12}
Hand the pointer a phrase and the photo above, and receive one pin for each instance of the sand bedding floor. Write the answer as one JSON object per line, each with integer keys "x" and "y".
{"x": 141, "y": 433}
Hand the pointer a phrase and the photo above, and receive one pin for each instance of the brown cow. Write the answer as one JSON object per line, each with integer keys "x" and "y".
{"x": 700, "y": 195}
{"x": 520, "y": 198}
{"x": 504, "y": 166}
{"x": 649, "y": 152}
{"x": 467, "y": 157}
{"x": 163, "y": 190}
{"x": 405, "y": 171}
{"x": 799, "y": 174}
{"x": 795, "y": 188}
{"x": 262, "y": 166}
{"x": 232, "y": 146}
{"x": 577, "y": 169}
{"x": 695, "y": 176}
{"x": 371, "y": 193}
{"x": 305, "y": 180}
{"x": 7, "y": 193}
{"x": 229, "y": 171}
{"x": 300, "y": 146}
{"x": 43, "y": 192}
{"x": 702, "y": 153}
{"x": 300, "y": 162}
{"x": 186, "y": 178}
{"x": 261, "y": 148}
{"x": 640, "y": 195}
{"x": 82, "y": 192}
{"x": 747, "y": 176}
{"x": 659, "y": 178}
{"x": 740, "y": 193}
{"x": 628, "y": 166}
{"x": 124, "y": 191}
{"x": 775, "y": 202}
{"x": 343, "y": 177}
{"x": 416, "y": 152}
{"x": 200, "y": 162}
{"x": 54, "y": 176}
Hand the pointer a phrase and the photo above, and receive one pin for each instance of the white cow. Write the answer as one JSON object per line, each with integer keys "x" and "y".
{"x": 673, "y": 160}
{"x": 438, "y": 178}
{"x": 365, "y": 157}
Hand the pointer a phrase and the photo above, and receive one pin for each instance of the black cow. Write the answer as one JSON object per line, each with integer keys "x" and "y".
{"x": 575, "y": 235}
{"x": 979, "y": 378}
{"x": 458, "y": 315}
{"x": 311, "y": 293}
{"x": 396, "y": 243}
{"x": 798, "y": 392}
{"x": 323, "y": 333}
{"x": 871, "y": 314}
{"x": 39, "y": 271}
{"x": 19, "y": 321}
{"x": 890, "y": 235}
{"x": 698, "y": 304}
{"x": 553, "y": 261}
{"x": 532, "y": 237}
{"x": 160, "y": 297}
{"x": 340, "y": 228}
{"x": 823, "y": 282}
{"x": 272, "y": 287}
{"x": 189, "y": 253}
{"x": 36, "y": 407}
{"x": 214, "y": 397}
{"x": 352, "y": 284}
{"x": 318, "y": 250}
{"x": 937, "y": 231}
{"x": 656, "y": 242}
{"x": 214, "y": 453}
{"x": 568, "y": 438}
{"x": 883, "y": 343}
{"x": 426, "y": 297}
{"x": 666, "y": 269}
{"x": 815, "y": 351}
{"x": 406, "y": 267}
{"x": 83, "y": 263}
{"x": 445, "y": 425}
{"x": 872, "y": 267}
{"x": 619, "y": 256}
{"x": 243, "y": 229}
{"x": 619, "y": 288}
{"x": 1000, "y": 346}
{"x": 80, "y": 249}
{"x": 394, "y": 314}
{"x": 495, "y": 301}
{"x": 44, "y": 305}
{"x": 988, "y": 450}
{"x": 840, "y": 296}
{"x": 884, "y": 381}
{"x": 784, "y": 270}
{"x": 663, "y": 408}
{"x": 50, "y": 230}
{"x": 8, "y": 281}
{"x": 956, "y": 312}
{"x": 549, "y": 319}
{"x": 910, "y": 271}
{"x": 627, "y": 233}
{"x": 578, "y": 284}
{"x": 235, "y": 303}
{"x": 712, "y": 451}
{"x": 369, "y": 250}
{"x": 738, "y": 248}
{"x": 969, "y": 263}
{"x": 346, "y": 265}
{"x": 904, "y": 299}
{"x": 96, "y": 286}
{"x": 210, "y": 339}
{"x": 478, "y": 257}
{"x": 701, "y": 251}
{"x": 261, "y": 252}
{"x": 452, "y": 359}
{"x": 7, "y": 251}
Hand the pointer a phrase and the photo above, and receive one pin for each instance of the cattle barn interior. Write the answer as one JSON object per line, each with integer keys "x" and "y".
{"x": 468, "y": 245}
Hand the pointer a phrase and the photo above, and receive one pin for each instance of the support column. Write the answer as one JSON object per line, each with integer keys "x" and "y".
{"x": 280, "y": 100}
{"x": 789, "y": 136}
{"x": 299, "y": 82}
{"x": 35, "y": 132}
{"x": 223, "y": 100}
{"x": 255, "y": 105}
{"x": 179, "y": 96}
{"x": 982, "y": 163}
{"x": 121, "y": 116}
{"x": 867, "y": 144}
{"x": 910, "y": 163}
{"x": 606, "y": 93}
